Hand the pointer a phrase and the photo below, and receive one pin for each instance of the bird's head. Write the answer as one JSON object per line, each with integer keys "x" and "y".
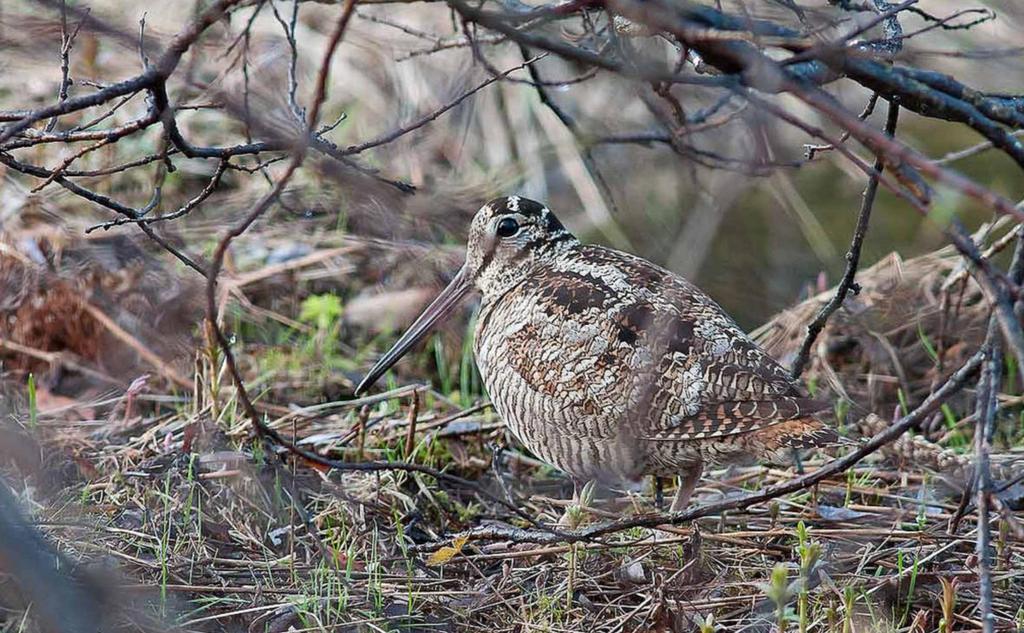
{"x": 507, "y": 238}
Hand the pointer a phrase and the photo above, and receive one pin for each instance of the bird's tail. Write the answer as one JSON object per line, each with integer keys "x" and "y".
{"x": 779, "y": 440}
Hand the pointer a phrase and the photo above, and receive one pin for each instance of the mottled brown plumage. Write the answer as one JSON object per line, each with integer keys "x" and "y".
{"x": 609, "y": 367}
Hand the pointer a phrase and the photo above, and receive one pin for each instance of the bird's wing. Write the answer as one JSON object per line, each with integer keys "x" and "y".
{"x": 732, "y": 418}
{"x": 705, "y": 377}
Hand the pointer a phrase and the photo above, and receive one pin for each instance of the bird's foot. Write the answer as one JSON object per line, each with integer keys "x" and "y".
{"x": 659, "y": 493}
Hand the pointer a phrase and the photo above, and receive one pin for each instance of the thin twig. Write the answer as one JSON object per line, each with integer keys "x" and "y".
{"x": 430, "y": 116}
{"x": 410, "y": 432}
{"x": 185, "y": 209}
{"x": 848, "y": 283}
{"x": 987, "y": 403}
{"x": 66, "y": 42}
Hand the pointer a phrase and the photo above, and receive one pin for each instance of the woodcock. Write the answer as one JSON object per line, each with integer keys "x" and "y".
{"x": 609, "y": 367}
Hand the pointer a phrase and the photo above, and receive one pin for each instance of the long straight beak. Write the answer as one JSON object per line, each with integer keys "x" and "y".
{"x": 439, "y": 308}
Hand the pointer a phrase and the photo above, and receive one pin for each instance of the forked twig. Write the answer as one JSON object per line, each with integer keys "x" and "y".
{"x": 848, "y": 282}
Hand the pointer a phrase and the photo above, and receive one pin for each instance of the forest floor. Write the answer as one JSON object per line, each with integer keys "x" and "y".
{"x": 151, "y": 479}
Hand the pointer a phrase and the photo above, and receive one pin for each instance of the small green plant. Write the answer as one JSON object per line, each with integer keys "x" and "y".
{"x": 812, "y": 386}
{"x": 955, "y": 438}
{"x": 809, "y": 552}
{"x": 900, "y": 563}
{"x": 926, "y": 343}
{"x": 1010, "y": 374}
{"x": 779, "y": 590}
{"x": 442, "y": 366}
{"x": 842, "y": 408}
{"x": 322, "y": 311}
{"x": 707, "y": 624}
{"x": 259, "y": 455}
{"x": 33, "y": 408}
{"x": 849, "y": 597}
{"x": 774, "y": 511}
{"x": 577, "y": 512}
{"x": 921, "y": 522}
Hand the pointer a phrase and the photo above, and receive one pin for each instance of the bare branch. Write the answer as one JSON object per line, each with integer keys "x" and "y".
{"x": 847, "y": 282}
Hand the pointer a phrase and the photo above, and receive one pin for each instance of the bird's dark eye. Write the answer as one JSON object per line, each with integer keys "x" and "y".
{"x": 507, "y": 227}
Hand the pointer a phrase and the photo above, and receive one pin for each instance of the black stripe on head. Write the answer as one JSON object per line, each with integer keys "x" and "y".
{"x": 536, "y": 210}
{"x": 518, "y": 204}
{"x": 527, "y": 207}
{"x": 553, "y": 225}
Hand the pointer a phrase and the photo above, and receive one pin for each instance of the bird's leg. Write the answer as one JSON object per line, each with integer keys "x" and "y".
{"x": 659, "y": 493}
{"x": 496, "y": 453}
{"x": 688, "y": 480}
{"x": 797, "y": 462}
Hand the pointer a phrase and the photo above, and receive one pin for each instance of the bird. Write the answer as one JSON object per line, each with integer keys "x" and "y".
{"x": 609, "y": 367}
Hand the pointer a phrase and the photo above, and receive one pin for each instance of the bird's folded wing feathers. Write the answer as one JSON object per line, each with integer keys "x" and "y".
{"x": 725, "y": 418}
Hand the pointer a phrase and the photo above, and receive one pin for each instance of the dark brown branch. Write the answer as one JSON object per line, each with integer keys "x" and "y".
{"x": 135, "y": 84}
{"x": 896, "y": 154}
{"x": 275, "y": 144}
{"x": 847, "y": 282}
{"x": 930, "y": 93}
{"x": 985, "y": 411}
{"x": 185, "y": 209}
{"x": 31, "y": 139}
{"x": 66, "y": 42}
{"x": 497, "y": 22}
